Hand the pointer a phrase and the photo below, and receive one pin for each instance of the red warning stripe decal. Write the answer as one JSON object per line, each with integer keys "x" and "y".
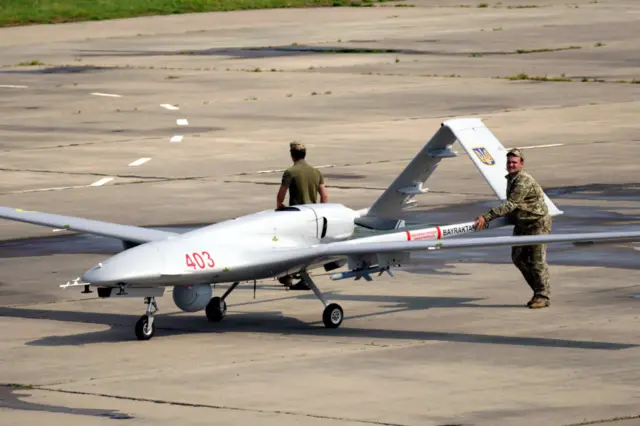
{"x": 408, "y": 236}
{"x": 439, "y": 232}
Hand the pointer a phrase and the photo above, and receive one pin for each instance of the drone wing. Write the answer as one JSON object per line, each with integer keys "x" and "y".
{"x": 371, "y": 252}
{"x": 106, "y": 229}
{"x": 359, "y": 247}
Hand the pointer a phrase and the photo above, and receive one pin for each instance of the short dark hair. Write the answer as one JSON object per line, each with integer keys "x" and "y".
{"x": 298, "y": 154}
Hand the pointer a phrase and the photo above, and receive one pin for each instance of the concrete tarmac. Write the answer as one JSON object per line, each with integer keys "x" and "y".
{"x": 185, "y": 120}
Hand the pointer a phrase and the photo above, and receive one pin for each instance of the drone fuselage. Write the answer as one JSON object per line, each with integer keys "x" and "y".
{"x": 241, "y": 249}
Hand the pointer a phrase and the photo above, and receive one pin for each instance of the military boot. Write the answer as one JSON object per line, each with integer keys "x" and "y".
{"x": 539, "y": 302}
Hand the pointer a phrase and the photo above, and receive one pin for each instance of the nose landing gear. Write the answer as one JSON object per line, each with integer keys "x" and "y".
{"x": 145, "y": 327}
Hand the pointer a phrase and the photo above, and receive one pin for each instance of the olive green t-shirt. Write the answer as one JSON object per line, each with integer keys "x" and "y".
{"x": 303, "y": 182}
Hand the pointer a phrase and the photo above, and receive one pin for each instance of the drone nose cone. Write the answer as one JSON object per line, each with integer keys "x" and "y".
{"x": 93, "y": 275}
{"x": 138, "y": 265}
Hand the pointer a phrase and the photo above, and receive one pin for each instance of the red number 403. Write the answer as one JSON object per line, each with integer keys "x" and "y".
{"x": 199, "y": 260}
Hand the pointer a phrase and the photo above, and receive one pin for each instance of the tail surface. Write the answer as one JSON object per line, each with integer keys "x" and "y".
{"x": 484, "y": 149}
{"x": 488, "y": 155}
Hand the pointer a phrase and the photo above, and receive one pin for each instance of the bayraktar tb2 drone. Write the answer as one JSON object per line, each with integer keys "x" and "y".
{"x": 289, "y": 243}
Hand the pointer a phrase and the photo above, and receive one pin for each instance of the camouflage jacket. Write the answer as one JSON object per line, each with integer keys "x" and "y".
{"x": 525, "y": 203}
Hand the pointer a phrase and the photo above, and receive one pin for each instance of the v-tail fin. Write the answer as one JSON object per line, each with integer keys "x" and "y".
{"x": 488, "y": 155}
{"x": 484, "y": 149}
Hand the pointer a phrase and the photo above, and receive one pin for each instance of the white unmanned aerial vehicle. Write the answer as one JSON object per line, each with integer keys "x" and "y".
{"x": 290, "y": 242}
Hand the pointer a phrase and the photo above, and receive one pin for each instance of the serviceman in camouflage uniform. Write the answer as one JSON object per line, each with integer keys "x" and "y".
{"x": 526, "y": 209}
{"x": 303, "y": 181}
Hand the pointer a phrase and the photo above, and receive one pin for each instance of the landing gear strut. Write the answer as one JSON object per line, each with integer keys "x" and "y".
{"x": 145, "y": 327}
{"x": 217, "y": 307}
{"x": 333, "y": 314}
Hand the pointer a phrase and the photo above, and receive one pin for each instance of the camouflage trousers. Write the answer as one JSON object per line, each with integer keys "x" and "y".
{"x": 532, "y": 260}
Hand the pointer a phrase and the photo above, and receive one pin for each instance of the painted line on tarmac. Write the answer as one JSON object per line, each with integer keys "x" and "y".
{"x": 13, "y": 86}
{"x": 111, "y": 95}
{"x": 176, "y": 138}
{"x": 542, "y": 146}
{"x": 182, "y": 122}
{"x": 102, "y": 181}
{"x": 169, "y": 107}
{"x": 259, "y": 172}
{"x": 53, "y": 188}
{"x": 139, "y": 161}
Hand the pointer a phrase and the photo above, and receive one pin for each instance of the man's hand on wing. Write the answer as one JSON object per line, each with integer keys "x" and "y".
{"x": 480, "y": 223}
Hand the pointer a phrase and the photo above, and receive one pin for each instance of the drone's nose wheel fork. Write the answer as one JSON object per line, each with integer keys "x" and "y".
{"x": 333, "y": 314}
{"x": 145, "y": 327}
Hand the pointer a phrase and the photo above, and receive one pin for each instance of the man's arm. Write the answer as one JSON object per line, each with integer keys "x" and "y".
{"x": 284, "y": 186}
{"x": 280, "y": 197}
{"x": 324, "y": 195}
{"x": 514, "y": 200}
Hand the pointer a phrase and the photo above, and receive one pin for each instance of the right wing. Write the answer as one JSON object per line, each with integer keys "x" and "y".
{"x": 379, "y": 252}
{"x": 352, "y": 247}
{"x": 130, "y": 233}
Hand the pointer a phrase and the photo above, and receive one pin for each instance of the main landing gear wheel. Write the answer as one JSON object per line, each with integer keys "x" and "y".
{"x": 332, "y": 316}
{"x": 216, "y": 309}
{"x": 145, "y": 328}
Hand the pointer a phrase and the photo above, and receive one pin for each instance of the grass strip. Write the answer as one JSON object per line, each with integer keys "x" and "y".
{"x": 24, "y": 12}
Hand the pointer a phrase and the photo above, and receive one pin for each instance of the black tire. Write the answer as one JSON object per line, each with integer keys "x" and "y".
{"x": 332, "y": 316}
{"x": 216, "y": 309}
{"x": 143, "y": 331}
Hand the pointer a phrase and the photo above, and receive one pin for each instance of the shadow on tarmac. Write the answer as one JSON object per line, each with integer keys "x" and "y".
{"x": 121, "y": 325}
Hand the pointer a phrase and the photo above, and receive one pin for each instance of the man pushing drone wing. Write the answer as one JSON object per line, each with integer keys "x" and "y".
{"x": 527, "y": 210}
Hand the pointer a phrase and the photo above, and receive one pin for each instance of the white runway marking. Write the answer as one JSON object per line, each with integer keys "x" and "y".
{"x": 282, "y": 170}
{"x": 111, "y": 95}
{"x": 542, "y": 146}
{"x": 176, "y": 138}
{"x": 102, "y": 181}
{"x": 55, "y": 188}
{"x": 13, "y": 86}
{"x": 139, "y": 161}
{"x": 182, "y": 122}
{"x": 169, "y": 107}
{"x": 269, "y": 171}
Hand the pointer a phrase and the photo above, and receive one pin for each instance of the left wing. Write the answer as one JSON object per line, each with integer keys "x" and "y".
{"x": 130, "y": 233}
